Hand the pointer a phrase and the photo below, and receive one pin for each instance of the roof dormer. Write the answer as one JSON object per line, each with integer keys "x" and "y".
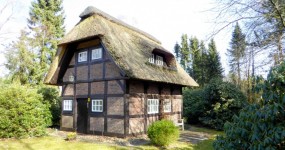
{"x": 162, "y": 58}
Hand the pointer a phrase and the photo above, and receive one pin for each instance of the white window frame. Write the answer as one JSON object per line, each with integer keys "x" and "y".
{"x": 97, "y": 105}
{"x": 159, "y": 60}
{"x": 167, "y": 105}
{"x": 96, "y": 53}
{"x": 152, "y": 106}
{"x": 151, "y": 59}
{"x": 67, "y": 105}
{"x": 82, "y": 56}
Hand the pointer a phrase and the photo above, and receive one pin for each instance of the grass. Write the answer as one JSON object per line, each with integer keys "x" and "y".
{"x": 51, "y": 143}
{"x": 54, "y": 142}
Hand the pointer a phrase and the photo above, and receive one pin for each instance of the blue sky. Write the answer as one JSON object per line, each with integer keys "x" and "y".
{"x": 166, "y": 20}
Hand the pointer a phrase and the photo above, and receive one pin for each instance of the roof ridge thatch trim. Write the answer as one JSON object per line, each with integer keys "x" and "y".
{"x": 91, "y": 10}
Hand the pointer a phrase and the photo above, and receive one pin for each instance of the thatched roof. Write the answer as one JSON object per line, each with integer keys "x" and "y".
{"x": 129, "y": 47}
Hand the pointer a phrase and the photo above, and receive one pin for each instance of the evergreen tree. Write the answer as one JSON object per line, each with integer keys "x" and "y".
{"x": 46, "y": 21}
{"x": 185, "y": 51}
{"x": 215, "y": 69}
{"x": 21, "y": 60}
{"x": 196, "y": 57}
{"x": 177, "y": 50}
{"x": 236, "y": 53}
{"x": 204, "y": 76}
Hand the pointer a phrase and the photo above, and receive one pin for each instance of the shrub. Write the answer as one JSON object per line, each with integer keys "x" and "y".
{"x": 162, "y": 133}
{"x": 52, "y": 99}
{"x": 213, "y": 105}
{"x": 22, "y": 112}
{"x": 194, "y": 105}
{"x": 260, "y": 125}
{"x": 71, "y": 136}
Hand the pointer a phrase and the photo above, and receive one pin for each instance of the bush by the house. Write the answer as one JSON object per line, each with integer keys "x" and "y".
{"x": 261, "y": 125}
{"x": 71, "y": 136}
{"x": 162, "y": 133}
{"x": 194, "y": 102}
{"x": 22, "y": 112}
{"x": 51, "y": 98}
{"x": 213, "y": 105}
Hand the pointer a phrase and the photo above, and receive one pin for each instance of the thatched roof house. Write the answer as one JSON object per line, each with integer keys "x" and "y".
{"x": 116, "y": 79}
{"x": 129, "y": 47}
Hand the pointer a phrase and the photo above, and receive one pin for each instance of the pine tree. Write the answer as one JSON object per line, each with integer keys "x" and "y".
{"x": 177, "y": 51}
{"x": 20, "y": 60}
{"x": 236, "y": 53}
{"x": 204, "y": 74}
{"x": 196, "y": 57}
{"x": 46, "y": 22}
{"x": 215, "y": 69}
{"x": 185, "y": 51}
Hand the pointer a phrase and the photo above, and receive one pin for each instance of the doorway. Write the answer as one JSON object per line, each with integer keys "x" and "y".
{"x": 82, "y": 115}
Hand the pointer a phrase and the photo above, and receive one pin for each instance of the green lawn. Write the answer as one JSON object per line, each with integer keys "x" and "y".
{"x": 54, "y": 143}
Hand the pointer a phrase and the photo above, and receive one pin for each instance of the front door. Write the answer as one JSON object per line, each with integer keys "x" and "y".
{"x": 82, "y": 114}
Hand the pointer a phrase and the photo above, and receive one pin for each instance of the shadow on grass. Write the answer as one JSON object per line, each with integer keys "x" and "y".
{"x": 25, "y": 145}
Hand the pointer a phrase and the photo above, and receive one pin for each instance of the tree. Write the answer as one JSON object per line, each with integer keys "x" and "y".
{"x": 5, "y": 7}
{"x": 264, "y": 24}
{"x": 196, "y": 58}
{"x": 201, "y": 63}
{"x": 259, "y": 125}
{"x": 185, "y": 51}
{"x": 203, "y": 77}
{"x": 21, "y": 60}
{"x": 46, "y": 22}
{"x": 236, "y": 53}
{"x": 177, "y": 51}
{"x": 215, "y": 68}
{"x": 214, "y": 104}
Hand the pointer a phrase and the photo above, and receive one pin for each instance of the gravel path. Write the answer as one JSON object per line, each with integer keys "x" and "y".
{"x": 185, "y": 136}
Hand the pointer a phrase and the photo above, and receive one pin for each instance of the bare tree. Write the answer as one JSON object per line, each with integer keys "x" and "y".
{"x": 263, "y": 22}
{"x": 6, "y": 15}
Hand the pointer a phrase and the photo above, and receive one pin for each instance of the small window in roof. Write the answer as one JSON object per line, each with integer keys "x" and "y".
{"x": 159, "y": 60}
{"x": 151, "y": 59}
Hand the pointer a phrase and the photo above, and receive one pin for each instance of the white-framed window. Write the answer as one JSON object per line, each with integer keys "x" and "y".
{"x": 96, "y": 53}
{"x": 152, "y": 106}
{"x": 67, "y": 105}
{"x": 82, "y": 56}
{"x": 167, "y": 105}
{"x": 159, "y": 60}
{"x": 97, "y": 105}
{"x": 151, "y": 59}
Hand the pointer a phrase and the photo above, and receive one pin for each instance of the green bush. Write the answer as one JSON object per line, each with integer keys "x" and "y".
{"x": 260, "y": 125}
{"x": 71, "y": 136}
{"x": 194, "y": 105}
{"x": 51, "y": 98}
{"x": 22, "y": 112}
{"x": 162, "y": 133}
{"x": 213, "y": 105}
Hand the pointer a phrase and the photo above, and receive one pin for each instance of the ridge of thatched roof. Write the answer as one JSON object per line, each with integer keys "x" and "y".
{"x": 129, "y": 49}
{"x": 90, "y": 11}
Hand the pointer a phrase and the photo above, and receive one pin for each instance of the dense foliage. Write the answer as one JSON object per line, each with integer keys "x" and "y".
{"x": 52, "y": 99}
{"x": 261, "y": 125}
{"x": 213, "y": 105}
{"x": 163, "y": 132}
{"x": 200, "y": 62}
{"x": 22, "y": 112}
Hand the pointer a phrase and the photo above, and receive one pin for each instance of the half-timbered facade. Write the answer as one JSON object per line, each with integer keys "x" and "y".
{"x": 116, "y": 79}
